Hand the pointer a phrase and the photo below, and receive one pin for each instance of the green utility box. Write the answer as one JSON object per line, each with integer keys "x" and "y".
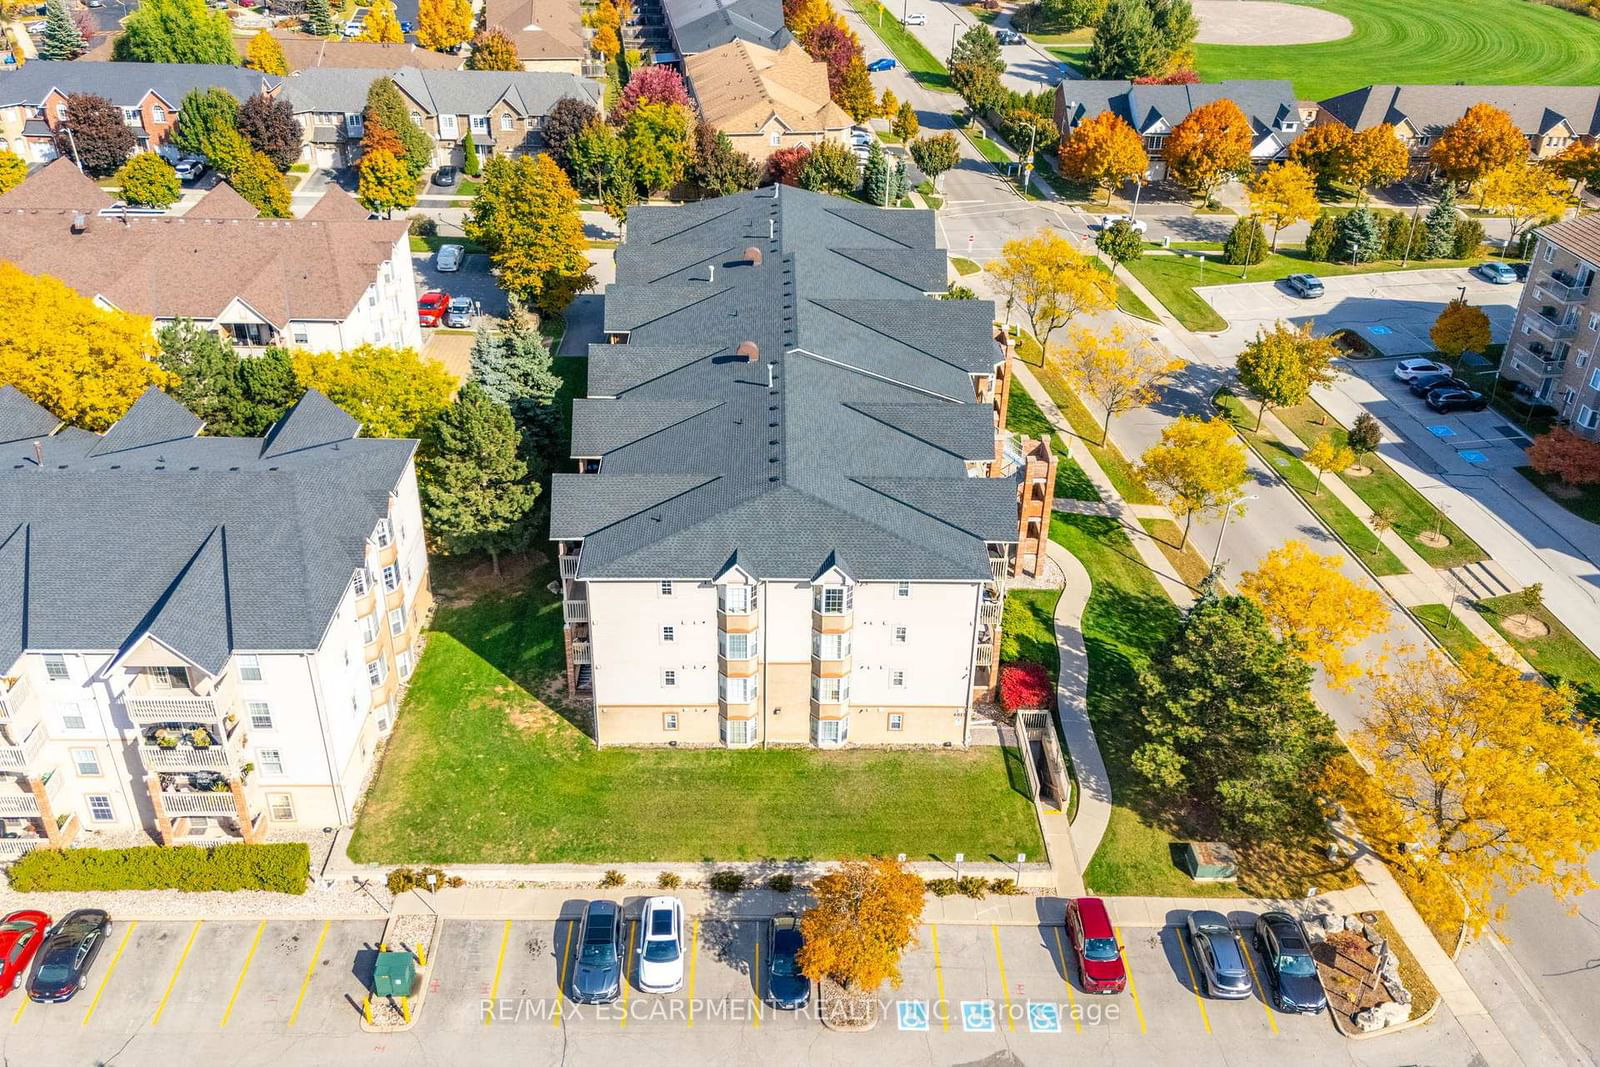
{"x": 1209, "y": 861}
{"x": 395, "y": 974}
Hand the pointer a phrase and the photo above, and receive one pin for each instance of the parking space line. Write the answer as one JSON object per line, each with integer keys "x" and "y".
{"x": 249, "y": 958}
{"x": 1066, "y": 980}
{"x": 1266, "y": 1004}
{"x": 627, "y": 969}
{"x": 311, "y": 969}
{"x": 1005, "y": 987}
{"x": 756, "y": 975}
{"x": 694, "y": 957}
{"x": 938, "y": 976}
{"x": 111, "y": 969}
{"x": 17, "y": 1018}
{"x": 561, "y": 979}
{"x": 1133, "y": 990}
{"x": 1194, "y": 986}
{"x": 173, "y": 981}
{"x": 499, "y": 965}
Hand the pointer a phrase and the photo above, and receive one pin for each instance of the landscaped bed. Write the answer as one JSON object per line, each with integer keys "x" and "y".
{"x": 1583, "y": 501}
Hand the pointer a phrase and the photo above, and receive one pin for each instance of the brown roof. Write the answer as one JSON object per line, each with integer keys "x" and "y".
{"x": 336, "y": 205}
{"x": 301, "y": 52}
{"x": 222, "y": 202}
{"x": 741, "y": 86}
{"x": 1580, "y": 236}
{"x": 59, "y": 184}
{"x": 541, "y": 29}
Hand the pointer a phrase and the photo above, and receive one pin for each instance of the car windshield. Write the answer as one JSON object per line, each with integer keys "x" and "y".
{"x": 15, "y": 928}
{"x": 1296, "y": 965}
{"x": 660, "y": 950}
{"x": 1100, "y": 949}
{"x": 783, "y": 965}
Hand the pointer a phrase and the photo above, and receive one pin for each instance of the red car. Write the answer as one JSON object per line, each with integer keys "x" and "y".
{"x": 431, "y": 307}
{"x": 1095, "y": 944}
{"x": 21, "y": 934}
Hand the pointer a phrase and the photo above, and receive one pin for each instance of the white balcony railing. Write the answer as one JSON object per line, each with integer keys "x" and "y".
{"x": 173, "y": 709}
{"x": 13, "y": 694}
{"x": 581, "y": 652}
{"x": 199, "y": 803}
{"x": 14, "y": 848}
{"x": 575, "y": 610}
{"x": 569, "y": 566}
{"x": 214, "y": 758}
{"x": 22, "y": 757}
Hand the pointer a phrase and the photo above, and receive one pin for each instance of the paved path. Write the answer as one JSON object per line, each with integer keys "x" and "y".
{"x": 1072, "y": 709}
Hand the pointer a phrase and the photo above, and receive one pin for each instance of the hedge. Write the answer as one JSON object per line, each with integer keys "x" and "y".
{"x": 189, "y": 868}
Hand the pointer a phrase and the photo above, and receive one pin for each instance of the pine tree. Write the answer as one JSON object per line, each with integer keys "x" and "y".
{"x": 319, "y": 18}
{"x": 1319, "y": 242}
{"x": 875, "y": 178}
{"x": 902, "y": 184}
{"x": 1356, "y": 238}
{"x": 513, "y": 365}
{"x": 1440, "y": 241}
{"x": 1126, "y": 43}
{"x": 61, "y": 37}
{"x": 469, "y": 157}
{"x": 1246, "y": 243}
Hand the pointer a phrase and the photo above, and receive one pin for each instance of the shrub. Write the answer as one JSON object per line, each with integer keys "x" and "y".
{"x": 726, "y": 881}
{"x": 613, "y": 879}
{"x": 972, "y": 886}
{"x": 1025, "y": 685}
{"x": 404, "y": 879}
{"x": 941, "y": 887}
{"x": 1246, "y": 244}
{"x": 1004, "y": 887}
{"x": 423, "y": 226}
{"x": 668, "y": 880}
{"x": 1319, "y": 242}
{"x": 188, "y": 868}
{"x": 781, "y": 883}
{"x": 1469, "y": 238}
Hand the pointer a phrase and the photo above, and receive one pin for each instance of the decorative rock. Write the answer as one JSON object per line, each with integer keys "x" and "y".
{"x": 1389, "y": 1013}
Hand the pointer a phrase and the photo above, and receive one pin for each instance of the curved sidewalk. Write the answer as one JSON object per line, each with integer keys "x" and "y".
{"x": 1072, "y": 710}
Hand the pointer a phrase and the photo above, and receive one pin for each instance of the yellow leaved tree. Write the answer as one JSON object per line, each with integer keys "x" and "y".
{"x": 1051, "y": 282}
{"x": 443, "y": 24}
{"x": 1283, "y": 194}
{"x": 1118, "y": 371}
{"x": 383, "y": 25}
{"x": 1197, "y": 468}
{"x": 865, "y": 915}
{"x": 1525, "y": 194}
{"x": 1460, "y": 328}
{"x": 1315, "y": 607}
{"x": 1327, "y": 454}
{"x": 393, "y": 392}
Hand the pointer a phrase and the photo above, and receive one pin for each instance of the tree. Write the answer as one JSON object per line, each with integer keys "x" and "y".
{"x": 476, "y": 492}
{"x": 1440, "y": 226}
{"x": 208, "y": 126}
{"x": 258, "y": 181}
{"x": 1326, "y": 454}
{"x": 1070, "y": 14}
{"x": 1578, "y": 163}
{"x": 176, "y": 31}
{"x": 855, "y": 92}
{"x": 513, "y": 365}
{"x": 1375, "y": 156}
{"x": 1197, "y": 468}
{"x": 958, "y": 292}
{"x": 1120, "y": 241}
{"x": 1484, "y": 138}
{"x": 1104, "y": 150}
{"x": 85, "y": 364}
{"x": 1283, "y": 194}
{"x": 1364, "y": 436}
{"x": 386, "y": 106}
{"x": 62, "y": 39}
{"x": 99, "y": 140}
{"x": 718, "y": 168}
{"x": 319, "y": 18}
{"x": 1319, "y": 242}
{"x": 1315, "y": 608}
{"x": 1382, "y": 520}
{"x": 1281, "y": 365}
{"x": 935, "y": 155}
{"x": 383, "y": 24}
{"x": 493, "y": 49}
{"x": 905, "y": 124}
{"x": 385, "y": 185}
{"x": 889, "y": 107}
{"x": 1125, "y": 43}
{"x": 865, "y": 915}
{"x": 149, "y": 181}
{"x": 1322, "y": 150}
{"x": 1475, "y": 781}
{"x": 265, "y": 54}
{"x": 392, "y": 392}
{"x": 595, "y": 161}
{"x": 1356, "y": 238}
{"x": 1227, "y": 716}
{"x": 526, "y": 215}
{"x": 1460, "y": 327}
{"x": 1176, "y": 29}
{"x": 269, "y": 126}
{"x": 833, "y": 45}
{"x": 443, "y": 24}
{"x": 876, "y": 184}
{"x": 606, "y": 43}
{"x": 205, "y": 375}
{"x": 1051, "y": 282}
{"x": 1118, "y": 372}
{"x": 1469, "y": 238}
{"x": 976, "y": 66}
{"x": 1246, "y": 244}
{"x": 1567, "y": 456}
{"x": 801, "y": 15}
{"x": 658, "y": 142}
{"x": 650, "y": 85}
{"x": 1525, "y": 194}
{"x": 567, "y": 116}
{"x": 1209, "y": 147}
{"x": 13, "y": 171}
{"x": 470, "y": 165}
{"x": 831, "y": 168}
{"x": 785, "y": 165}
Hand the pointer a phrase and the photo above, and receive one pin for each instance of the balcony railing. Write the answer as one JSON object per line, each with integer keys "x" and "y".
{"x": 14, "y": 848}
{"x": 581, "y": 652}
{"x": 213, "y": 758}
{"x": 199, "y": 803}
{"x": 985, "y": 654}
{"x": 13, "y": 694}
{"x": 575, "y": 610}
{"x": 989, "y": 611}
{"x": 173, "y": 709}
{"x": 1553, "y": 328}
{"x": 21, "y": 757}
{"x": 18, "y": 801}
{"x": 1564, "y": 287}
{"x": 569, "y": 566}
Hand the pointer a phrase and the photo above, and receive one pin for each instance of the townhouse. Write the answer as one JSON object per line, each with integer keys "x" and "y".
{"x": 33, "y": 100}
{"x": 794, "y": 509}
{"x": 695, "y": 26}
{"x": 326, "y": 282}
{"x": 1556, "y": 333}
{"x": 504, "y": 111}
{"x": 201, "y": 638}
{"x": 1276, "y": 117}
{"x": 302, "y": 51}
{"x": 549, "y": 34}
{"x": 765, "y": 99}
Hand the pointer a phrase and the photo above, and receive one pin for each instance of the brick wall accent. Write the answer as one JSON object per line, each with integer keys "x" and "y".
{"x": 47, "y": 814}
{"x": 247, "y": 827}
{"x": 164, "y": 827}
{"x": 1035, "y": 504}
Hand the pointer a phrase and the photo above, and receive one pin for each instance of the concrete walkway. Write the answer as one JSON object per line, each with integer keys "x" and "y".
{"x": 1072, "y": 712}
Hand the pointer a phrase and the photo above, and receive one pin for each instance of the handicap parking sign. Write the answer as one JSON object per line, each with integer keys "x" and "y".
{"x": 977, "y": 1016}
{"x": 913, "y": 1014}
{"x": 1044, "y": 1018}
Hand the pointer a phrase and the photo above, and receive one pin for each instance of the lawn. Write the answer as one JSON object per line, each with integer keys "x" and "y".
{"x": 964, "y": 266}
{"x": 920, "y": 63}
{"x": 1027, "y": 631}
{"x": 1448, "y": 630}
{"x": 1085, "y": 426}
{"x": 1023, "y": 416}
{"x": 1128, "y": 301}
{"x": 1559, "y": 655}
{"x": 1441, "y": 42}
{"x": 1583, "y": 501}
{"x": 1186, "y": 561}
{"x": 433, "y": 244}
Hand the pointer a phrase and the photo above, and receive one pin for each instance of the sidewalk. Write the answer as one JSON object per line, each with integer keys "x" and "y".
{"x": 1072, "y": 712}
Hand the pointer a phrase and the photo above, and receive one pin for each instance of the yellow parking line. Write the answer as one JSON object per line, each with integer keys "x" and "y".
{"x": 17, "y": 1018}
{"x": 1193, "y": 985}
{"x": 1132, "y": 989}
{"x": 1005, "y": 987}
{"x": 938, "y": 977}
{"x": 561, "y": 981}
{"x": 1266, "y": 1003}
{"x": 627, "y": 965}
{"x": 173, "y": 981}
{"x": 694, "y": 956}
{"x": 311, "y": 969}
{"x": 238, "y": 985}
{"x": 499, "y": 965}
{"x": 756, "y": 1018}
{"x": 110, "y": 970}
{"x": 1066, "y": 980}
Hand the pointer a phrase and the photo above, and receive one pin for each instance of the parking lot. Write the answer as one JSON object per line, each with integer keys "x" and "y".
{"x": 258, "y": 991}
{"x": 473, "y": 280}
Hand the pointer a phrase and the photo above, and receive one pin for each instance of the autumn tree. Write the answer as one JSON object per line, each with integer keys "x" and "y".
{"x": 1314, "y": 607}
{"x": 865, "y": 915}
{"x": 1322, "y": 151}
{"x": 1103, "y": 150}
{"x": 1282, "y": 364}
{"x": 265, "y": 54}
{"x": 1578, "y": 163}
{"x": 62, "y": 39}
{"x": 1460, "y": 327}
{"x": 147, "y": 180}
{"x": 1328, "y": 453}
{"x": 1374, "y": 157}
{"x": 1567, "y": 456}
{"x": 493, "y": 49}
{"x": 717, "y": 167}
{"x": 258, "y": 180}
{"x": 383, "y": 24}
{"x": 1483, "y": 139}
{"x": 935, "y": 155}
{"x": 268, "y": 125}
{"x": 526, "y": 215}
{"x": 385, "y": 185}
{"x": 1283, "y": 194}
{"x": 1051, "y": 282}
{"x": 208, "y": 126}
{"x": 13, "y": 171}
{"x": 976, "y": 66}
{"x": 658, "y": 139}
{"x": 85, "y": 364}
{"x": 905, "y": 125}
{"x": 443, "y": 24}
{"x": 1119, "y": 372}
{"x": 830, "y": 168}
{"x": 835, "y": 46}
{"x": 477, "y": 495}
{"x": 650, "y": 85}
{"x": 392, "y": 392}
{"x": 385, "y": 105}
{"x": 1209, "y": 147}
{"x": 595, "y": 159}
{"x": 99, "y": 140}
{"x": 1525, "y": 194}
{"x": 1120, "y": 242}
{"x": 800, "y": 16}
{"x": 1365, "y": 435}
{"x": 1475, "y": 781}
{"x": 567, "y": 116}
{"x": 176, "y": 31}
{"x": 1197, "y": 468}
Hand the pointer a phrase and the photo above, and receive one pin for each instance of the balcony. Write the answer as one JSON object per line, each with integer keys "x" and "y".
{"x": 13, "y": 695}
{"x": 1562, "y": 286}
{"x": 20, "y": 758}
{"x": 989, "y": 611}
{"x": 582, "y": 652}
{"x": 1548, "y": 322}
{"x": 17, "y": 801}
{"x": 14, "y": 848}
{"x": 985, "y": 654}
{"x": 575, "y": 610}
{"x": 569, "y": 566}
{"x": 214, "y": 804}
{"x": 1542, "y": 358}
{"x": 144, "y": 708}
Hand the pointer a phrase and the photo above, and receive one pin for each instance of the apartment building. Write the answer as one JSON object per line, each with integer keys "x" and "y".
{"x": 1556, "y": 333}
{"x": 794, "y": 510}
{"x": 327, "y": 282}
{"x": 765, "y": 99}
{"x": 200, "y": 637}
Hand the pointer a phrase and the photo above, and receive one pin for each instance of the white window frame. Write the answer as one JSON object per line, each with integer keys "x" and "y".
{"x": 508, "y": 121}
{"x": 272, "y": 756}
{"x": 478, "y": 123}
{"x": 745, "y": 736}
{"x": 669, "y": 678}
{"x": 738, "y": 599}
{"x": 669, "y": 721}
{"x": 383, "y": 533}
{"x": 736, "y": 690}
{"x": 664, "y": 588}
{"x": 78, "y": 763}
{"x": 369, "y": 628}
{"x": 669, "y": 634}
{"x": 830, "y": 690}
{"x": 1594, "y": 380}
{"x": 448, "y": 126}
{"x": 737, "y": 646}
{"x": 901, "y": 634}
{"x": 391, "y": 577}
{"x": 260, "y": 713}
{"x": 403, "y": 665}
{"x": 902, "y": 590}
{"x": 104, "y": 805}
{"x": 830, "y": 646}
{"x": 897, "y": 722}
{"x": 839, "y": 729}
{"x": 897, "y": 679}
{"x": 70, "y": 711}
{"x": 1588, "y": 418}
{"x": 55, "y": 667}
{"x": 158, "y": 113}
{"x": 833, "y": 600}
{"x": 776, "y": 139}
{"x": 274, "y": 812}
{"x": 377, "y": 672}
{"x": 362, "y": 581}
{"x": 397, "y": 621}
{"x": 249, "y": 668}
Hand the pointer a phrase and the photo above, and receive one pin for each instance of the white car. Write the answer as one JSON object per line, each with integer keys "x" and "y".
{"x": 860, "y": 135}
{"x": 661, "y": 946}
{"x": 1410, "y": 369}
{"x": 449, "y": 258}
{"x": 1107, "y": 221}
{"x": 916, "y": 18}
{"x": 353, "y": 28}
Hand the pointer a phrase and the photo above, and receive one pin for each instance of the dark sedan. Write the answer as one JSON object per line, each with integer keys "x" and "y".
{"x": 62, "y": 966}
{"x": 444, "y": 177}
{"x": 1218, "y": 955}
{"x": 787, "y": 988}
{"x": 1424, "y": 384}
{"x": 1286, "y": 958}
{"x": 1444, "y": 401}
{"x": 597, "y": 978}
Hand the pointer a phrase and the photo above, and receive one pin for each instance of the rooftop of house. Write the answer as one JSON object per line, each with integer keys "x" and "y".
{"x": 302, "y": 52}
{"x": 210, "y": 545}
{"x": 1536, "y": 109}
{"x": 701, "y": 25}
{"x": 439, "y": 92}
{"x": 125, "y": 84}
{"x": 790, "y": 398}
{"x": 541, "y": 29}
{"x": 741, "y": 86}
{"x": 1157, "y": 108}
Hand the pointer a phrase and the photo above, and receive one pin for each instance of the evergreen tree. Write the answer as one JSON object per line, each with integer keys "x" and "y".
{"x": 1440, "y": 228}
{"x": 513, "y": 365}
{"x": 476, "y": 492}
{"x": 1246, "y": 243}
{"x": 388, "y": 107}
{"x": 718, "y": 168}
{"x": 875, "y": 183}
{"x": 1319, "y": 242}
{"x": 902, "y": 184}
{"x": 319, "y": 18}
{"x": 1126, "y": 44}
{"x": 1356, "y": 238}
{"x": 976, "y": 66}
{"x": 268, "y": 387}
{"x": 469, "y": 157}
{"x": 208, "y": 375}
{"x": 61, "y": 37}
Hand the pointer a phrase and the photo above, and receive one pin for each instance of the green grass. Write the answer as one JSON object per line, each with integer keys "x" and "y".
{"x": 1485, "y": 42}
{"x": 964, "y": 266}
{"x": 920, "y": 63}
{"x": 989, "y": 149}
{"x": 1027, "y": 629}
{"x": 1341, "y": 520}
{"x": 1118, "y": 469}
{"x": 1190, "y": 566}
{"x": 933, "y": 200}
{"x": 433, "y": 244}
{"x": 1583, "y": 501}
{"x": 1023, "y": 416}
{"x": 1446, "y": 629}
{"x": 300, "y": 168}
{"x": 1128, "y": 301}
{"x": 1558, "y": 655}
{"x": 1384, "y": 488}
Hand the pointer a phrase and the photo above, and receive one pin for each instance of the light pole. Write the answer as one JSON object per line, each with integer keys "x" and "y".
{"x": 1027, "y": 160}
{"x": 1250, "y": 252}
{"x": 1410, "y": 234}
{"x": 1216, "y": 552}
{"x": 1138, "y": 187}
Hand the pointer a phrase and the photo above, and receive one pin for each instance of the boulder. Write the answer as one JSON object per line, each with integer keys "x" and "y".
{"x": 1389, "y": 1013}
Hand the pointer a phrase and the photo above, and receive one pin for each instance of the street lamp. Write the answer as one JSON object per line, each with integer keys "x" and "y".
{"x": 1216, "y": 552}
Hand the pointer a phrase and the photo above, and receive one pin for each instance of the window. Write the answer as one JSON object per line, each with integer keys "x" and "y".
{"x": 832, "y": 731}
{"x": 383, "y": 534}
{"x": 897, "y": 722}
{"x": 270, "y": 759}
{"x": 158, "y": 114}
{"x": 352, "y": 123}
{"x": 61, "y": 112}
{"x": 830, "y": 646}
{"x": 737, "y": 599}
{"x": 402, "y": 664}
{"x": 669, "y": 634}
{"x": 377, "y": 672}
{"x": 1549, "y": 253}
{"x": 480, "y": 123}
{"x": 830, "y": 690}
{"x": 737, "y": 646}
{"x": 416, "y": 116}
{"x": 1594, "y": 380}
{"x": 665, "y": 588}
{"x": 447, "y": 126}
{"x": 85, "y": 761}
{"x": 362, "y": 582}
{"x": 736, "y": 732}
{"x": 737, "y": 690}
{"x": 669, "y": 679}
{"x": 1588, "y": 417}
{"x": 73, "y": 718}
{"x": 130, "y": 115}
{"x": 369, "y": 628}
{"x": 397, "y": 621}
{"x": 1594, "y": 320}
{"x": 669, "y": 722}
{"x": 100, "y": 808}
{"x": 167, "y": 677}
{"x": 899, "y": 635}
{"x": 777, "y": 138}
{"x": 832, "y": 599}
{"x": 280, "y": 807}
{"x": 902, "y": 591}
{"x": 391, "y": 578}
{"x": 249, "y": 668}
{"x": 260, "y": 714}
{"x": 508, "y": 121}
{"x": 55, "y": 667}
{"x": 897, "y": 679}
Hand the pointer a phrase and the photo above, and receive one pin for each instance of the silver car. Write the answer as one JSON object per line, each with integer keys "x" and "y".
{"x": 1218, "y": 955}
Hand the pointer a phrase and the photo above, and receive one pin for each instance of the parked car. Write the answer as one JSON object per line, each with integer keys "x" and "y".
{"x": 597, "y": 978}
{"x": 1408, "y": 370}
{"x": 431, "y": 307}
{"x": 459, "y": 314}
{"x": 1445, "y": 401}
{"x": 1008, "y": 36}
{"x": 1108, "y": 221}
{"x": 22, "y": 934}
{"x": 353, "y": 28}
{"x": 786, "y": 986}
{"x": 1286, "y": 958}
{"x": 449, "y": 258}
{"x": 916, "y": 18}
{"x": 878, "y": 66}
{"x": 1094, "y": 942}
{"x": 190, "y": 168}
{"x": 444, "y": 177}
{"x": 1424, "y": 384}
{"x": 61, "y": 967}
{"x": 1306, "y": 286}
{"x": 94, "y": 3}
{"x": 661, "y": 945}
{"x": 406, "y": 27}
{"x": 1218, "y": 955}
{"x": 1499, "y": 273}
{"x": 860, "y": 135}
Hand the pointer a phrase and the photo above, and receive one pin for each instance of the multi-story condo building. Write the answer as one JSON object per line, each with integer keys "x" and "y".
{"x": 199, "y": 636}
{"x": 1557, "y": 329}
{"x": 790, "y": 521}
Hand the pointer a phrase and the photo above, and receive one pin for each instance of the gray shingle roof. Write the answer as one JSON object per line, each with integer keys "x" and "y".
{"x": 125, "y": 84}
{"x": 154, "y": 419}
{"x": 1266, "y": 104}
{"x": 20, "y": 418}
{"x": 314, "y": 420}
{"x": 699, "y": 25}
{"x": 1579, "y": 236}
{"x": 1536, "y": 109}
{"x": 601, "y": 426}
{"x": 614, "y": 369}
{"x": 449, "y": 92}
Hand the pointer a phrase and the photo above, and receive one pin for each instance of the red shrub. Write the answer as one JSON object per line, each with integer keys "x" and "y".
{"x": 1567, "y": 456}
{"x": 1177, "y": 77}
{"x": 785, "y": 164}
{"x": 1025, "y": 686}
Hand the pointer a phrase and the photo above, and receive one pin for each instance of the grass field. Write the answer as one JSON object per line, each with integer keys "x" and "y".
{"x": 1583, "y": 502}
{"x": 920, "y": 63}
{"x": 1558, "y": 655}
{"x": 1446, "y": 629}
{"x": 1440, "y": 42}
{"x": 1023, "y": 416}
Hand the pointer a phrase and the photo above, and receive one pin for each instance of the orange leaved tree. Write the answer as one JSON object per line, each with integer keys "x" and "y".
{"x": 865, "y": 916}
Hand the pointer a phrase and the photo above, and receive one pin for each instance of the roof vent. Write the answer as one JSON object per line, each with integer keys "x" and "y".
{"x": 748, "y": 351}
{"x": 752, "y": 256}
{"x": 80, "y": 222}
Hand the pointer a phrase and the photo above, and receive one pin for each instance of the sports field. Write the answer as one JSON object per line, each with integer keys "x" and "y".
{"x": 1441, "y": 42}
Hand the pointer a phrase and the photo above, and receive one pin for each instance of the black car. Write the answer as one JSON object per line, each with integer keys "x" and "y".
{"x": 1445, "y": 401}
{"x": 62, "y": 966}
{"x": 1218, "y": 955}
{"x": 786, "y": 986}
{"x": 1286, "y": 958}
{"x": 597, "y": 978}
{"x": 444, "y": 177}
{"x": 1424, "y": 384}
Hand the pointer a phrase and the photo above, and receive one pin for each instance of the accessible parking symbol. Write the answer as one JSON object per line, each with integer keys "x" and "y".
{"x": 913, "y": 1014}
{"x": 1044, "y": 1018}
{"x": 977, "y": 1016}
